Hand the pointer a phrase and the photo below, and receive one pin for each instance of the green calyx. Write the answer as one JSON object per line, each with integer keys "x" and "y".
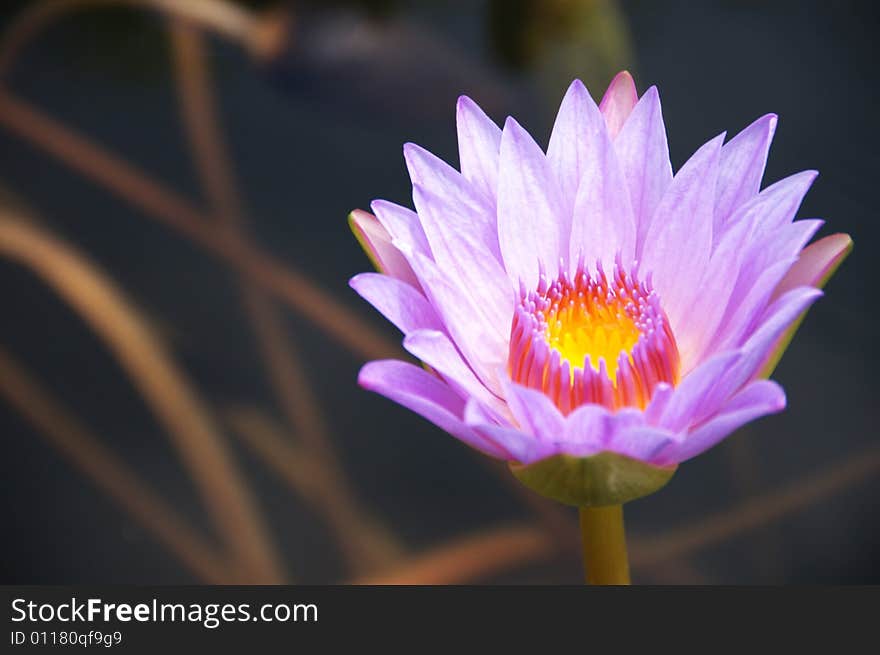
{"x": 602, "y": 479}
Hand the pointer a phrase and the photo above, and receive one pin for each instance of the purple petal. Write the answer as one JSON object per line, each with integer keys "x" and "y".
{"x": 479, "y": 143}
{"x": 816, "y": 263}
{"x": 579, "y": 128}
{"x": 659, "y": 400}
{"x": 765, "y": 264}
{"x": 603, "y": 224}
{"x": 641, "y": 442}
{"x": 484, "y": 344}
{"x": 737, "y": 284}
{"x": 776, "y": 205}
{"x": 758, "y": 399}
{"x": 461, "y": 253}
{"x": 687, "y": 404}
{"x": 532, "y": 226}
{"x": 713, "y": 295}
{"x": 436, "y": 350}
{"x": 790, "y": 239}
{"x": 535, "y": 412}
{"x": 781, "y": 244}
{"x": 424, "y": 394}
{"x": 438, "y": 177}
{"x": 757, "y": 349}
{"x": 745, "y": 306}
{"x": 587, "y": 430}
{"x": 815, "y": 266}
{"x": 742, "y": 166}
{"x": 376, "y": 242}
{"x": 403, "y": 225}
{"x": 618, "y": 102}
{"x": 644, "y": 156}
{"x": 398, "y": 301}
{"x": 679, "y": 240}
{"x": 592, "y": 429}
{"x": 520, "y": 446}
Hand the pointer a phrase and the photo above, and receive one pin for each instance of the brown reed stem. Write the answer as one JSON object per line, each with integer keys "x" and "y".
{"x": 301, "y": 408}
{"x": 766, "y": 548}
{"x": 228, "y": 19}
{"x": 365, "y": 543}
{"x": 757, "y": 512}
{"x": 85, "y": 452}
{"x": 169, "y": 208}
{"x": 470, "y": 558}
{"x": 204, "y": 132}
{"x": 119, "y": 324}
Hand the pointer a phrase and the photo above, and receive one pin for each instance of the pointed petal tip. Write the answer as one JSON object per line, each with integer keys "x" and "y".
{"x": 352, "y": 222}
{"x": 415, "y": 152}
{"x": 650, "y": 102}
{"x": 356, "y": 214}
{"x": 618, "y": 102}
{"x": 576, "y": 92}
{"x": 843, "y": 241}
{"x": 831, "y": 251}
{"x": 843, "y": 245}
{"x": 369, "y": 234}
{"x": 770, "y": 120}
{"x": 808, "y": 295}
{"x": 514, "y": 133}
{"x": 577, "y": 86}
{"x": 466, "y": 104}
{"x": 622, "y": 85}
{"x": 816, "y": 264}
{"x": 808, "y": 176}
{"x": 357, "y": 218}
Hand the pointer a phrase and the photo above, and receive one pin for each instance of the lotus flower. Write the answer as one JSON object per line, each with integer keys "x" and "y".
{"x": 585, "y": 314}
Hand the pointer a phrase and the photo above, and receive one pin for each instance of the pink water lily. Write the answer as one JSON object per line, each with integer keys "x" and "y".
{"x": 587, "y": 300}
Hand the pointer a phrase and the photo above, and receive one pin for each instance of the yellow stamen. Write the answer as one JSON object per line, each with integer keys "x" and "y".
{"x": 585, "y": 327}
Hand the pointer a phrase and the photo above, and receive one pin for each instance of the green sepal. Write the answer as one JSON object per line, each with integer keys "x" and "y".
{"x": 602, "y": 479}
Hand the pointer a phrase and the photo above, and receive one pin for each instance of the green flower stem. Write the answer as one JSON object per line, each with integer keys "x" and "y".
{"x": 604, "y": 540}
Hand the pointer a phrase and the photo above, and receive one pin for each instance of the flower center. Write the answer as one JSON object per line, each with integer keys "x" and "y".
{"x": 590, "y": 339}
